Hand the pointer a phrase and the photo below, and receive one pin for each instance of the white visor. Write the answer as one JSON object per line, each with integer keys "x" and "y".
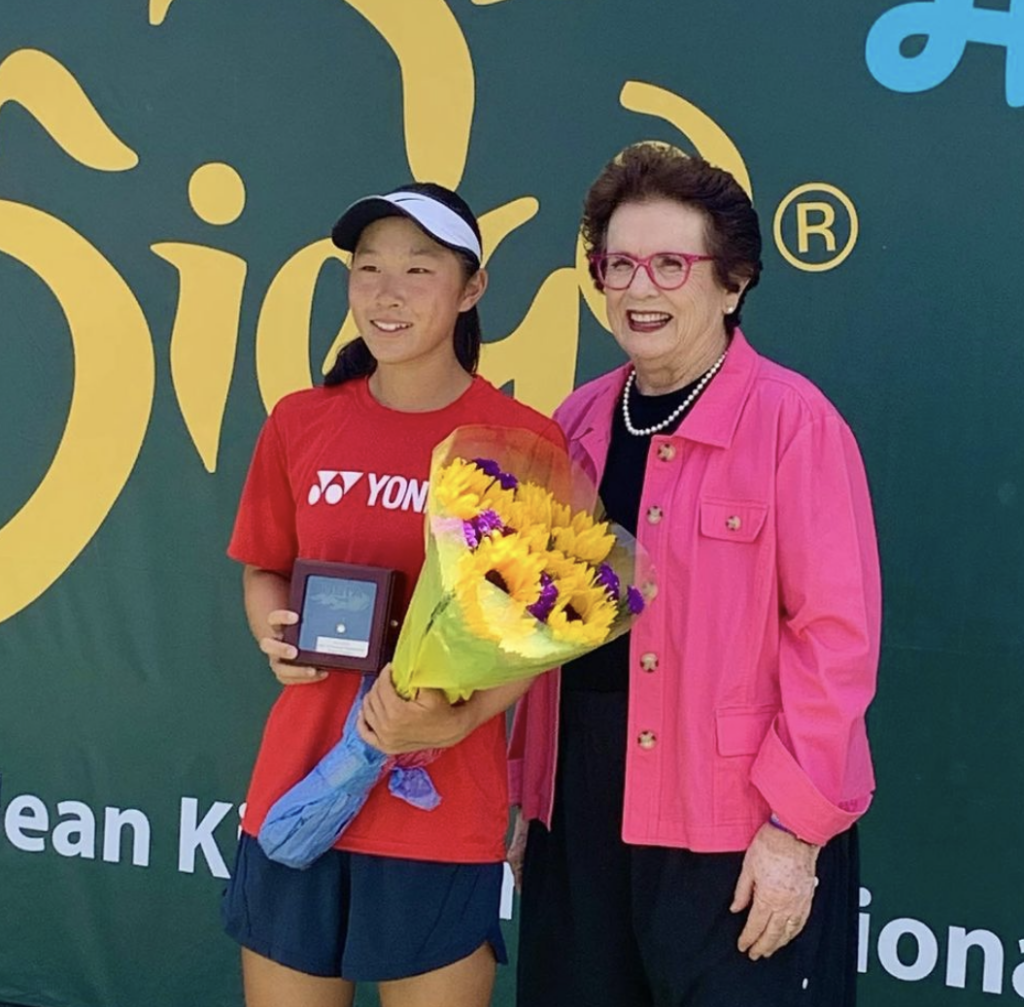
{"x": 438, "y": 220}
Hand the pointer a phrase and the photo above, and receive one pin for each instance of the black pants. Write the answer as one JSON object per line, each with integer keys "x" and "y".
{"x": 604, "y": 924}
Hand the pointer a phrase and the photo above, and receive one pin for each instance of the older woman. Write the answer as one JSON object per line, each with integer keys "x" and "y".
{"x": 691, "y": 791}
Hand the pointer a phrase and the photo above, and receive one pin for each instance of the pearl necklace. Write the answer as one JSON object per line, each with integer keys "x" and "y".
{"x": 678, "y": 411}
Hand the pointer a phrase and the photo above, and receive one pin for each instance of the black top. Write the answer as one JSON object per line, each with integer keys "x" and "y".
{"x": 607, "y": 668}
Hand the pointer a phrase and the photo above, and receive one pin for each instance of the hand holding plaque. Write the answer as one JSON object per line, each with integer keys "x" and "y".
{"x": 346, "y": 618}
{"x": 521, "y": 574}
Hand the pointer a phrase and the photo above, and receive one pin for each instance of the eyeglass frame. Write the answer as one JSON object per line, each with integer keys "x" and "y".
{"x": 596, "y": 258}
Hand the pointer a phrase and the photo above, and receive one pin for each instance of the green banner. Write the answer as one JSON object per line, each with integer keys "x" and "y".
{"x": 168, "y": 176}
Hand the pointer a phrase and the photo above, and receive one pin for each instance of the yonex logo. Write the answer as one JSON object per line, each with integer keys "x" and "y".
{"x": 392, "y": 492}
{"x": 329, "y": 487}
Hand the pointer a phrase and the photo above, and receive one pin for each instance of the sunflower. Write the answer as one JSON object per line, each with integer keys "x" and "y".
{"x": 495, "y": 585}
{"x": 534, "y": 503}
{"x": 584, "y": 538}
{"x": 458, "y": 489}
{"x": 462, "y": 489}
{"x": 561, "y": 514}
{"x": 565, "y": 568}
{"x": 499, "y": 500}
{"x": 529, "y": 515}
{"x": 584, "y": 612}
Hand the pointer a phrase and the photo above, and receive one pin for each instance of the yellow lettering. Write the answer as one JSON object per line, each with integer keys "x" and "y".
{"x": 205, "y": 333}
{"x": 703, "y": 132}
{"x": 158, "y": 11}
{"x": 549, "y": 332}
{"x": 114, "y": 369}
{"x": 438, "y": 85}
{"x": 804, "y": 227}
{"x": 282, "y": 330}
{"x": 217, "y": 193}
{"x": 539, "y": 357}
{"x": 497, "y": 224}
{"x": 110, "y": 405}
{"x": 47, "y": 90}
{"x": 585, "y": 283}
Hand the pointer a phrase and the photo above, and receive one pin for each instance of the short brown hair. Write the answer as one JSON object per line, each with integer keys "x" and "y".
{"x": 647, "y": 171}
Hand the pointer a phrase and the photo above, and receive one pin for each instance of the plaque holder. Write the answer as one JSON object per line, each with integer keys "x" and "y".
{"x": 346, "y": 620}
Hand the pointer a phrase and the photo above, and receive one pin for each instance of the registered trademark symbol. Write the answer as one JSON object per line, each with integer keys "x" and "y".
{"x": 816, "y": 227}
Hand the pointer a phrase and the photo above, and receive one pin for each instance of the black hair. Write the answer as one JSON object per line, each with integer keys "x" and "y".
{"x": 355, "y": 359}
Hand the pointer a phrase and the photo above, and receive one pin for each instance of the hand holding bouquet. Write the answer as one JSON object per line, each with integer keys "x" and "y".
{"x": 520, "y": 576}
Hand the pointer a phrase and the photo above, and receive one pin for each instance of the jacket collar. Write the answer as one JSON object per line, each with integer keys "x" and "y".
{"x": 714, "y": 417}
{"x": 716, "y": 414}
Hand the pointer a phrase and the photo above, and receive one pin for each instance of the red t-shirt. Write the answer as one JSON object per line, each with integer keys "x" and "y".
{"x": 336, "y": 476}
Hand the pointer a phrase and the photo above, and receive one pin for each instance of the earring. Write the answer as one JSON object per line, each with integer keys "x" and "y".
{"x": 730, "y": 309}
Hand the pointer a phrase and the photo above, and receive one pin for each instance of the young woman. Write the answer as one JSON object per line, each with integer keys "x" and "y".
{"x": 408, "y": 899}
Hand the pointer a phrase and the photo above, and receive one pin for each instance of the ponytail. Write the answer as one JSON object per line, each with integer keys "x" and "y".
{"x": 354, "y": 361}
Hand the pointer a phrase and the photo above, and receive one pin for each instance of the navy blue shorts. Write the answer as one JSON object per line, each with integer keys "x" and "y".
{"x": 361, "y": 917}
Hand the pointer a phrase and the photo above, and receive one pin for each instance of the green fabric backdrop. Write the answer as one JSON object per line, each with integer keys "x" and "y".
{"x": 133, "y": 381}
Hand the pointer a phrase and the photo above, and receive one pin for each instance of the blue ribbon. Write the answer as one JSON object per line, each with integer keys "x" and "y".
{"x": 309, "y": 819}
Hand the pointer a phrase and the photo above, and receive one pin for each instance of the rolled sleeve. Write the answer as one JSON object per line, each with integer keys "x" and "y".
{"x": 814, "y": 767}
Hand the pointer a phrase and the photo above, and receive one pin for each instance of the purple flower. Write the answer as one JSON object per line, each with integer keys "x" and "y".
{"x": 488, "y": 522}
{"x": 609, "y": 580}
{"x": 478, "y": 528}
{"x": 635, "y": 600}
{"x": 493, "y": 469}
{"x": 542, "y": 607}
{"x": 488, "y": 465}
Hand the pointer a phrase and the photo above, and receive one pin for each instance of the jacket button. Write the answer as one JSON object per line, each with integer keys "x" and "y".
{"x": 647, "y": 739}
{"x": 649, "y": 661}
{"x": 666, "y": 451}
{"x": 654, "y": 515}
{"x": 733, "y": 523}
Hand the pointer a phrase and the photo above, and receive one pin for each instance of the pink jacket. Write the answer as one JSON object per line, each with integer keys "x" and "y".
{"x": 751, "y": 671}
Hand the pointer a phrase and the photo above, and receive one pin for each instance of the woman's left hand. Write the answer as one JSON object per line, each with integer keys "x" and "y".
{"x": 398, "y": 726}
{"x": 777, "y": 882}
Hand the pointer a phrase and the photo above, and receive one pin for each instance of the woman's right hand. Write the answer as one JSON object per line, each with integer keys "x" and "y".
{"x": 278, "y": 652}
{"x": 517, "y": 849}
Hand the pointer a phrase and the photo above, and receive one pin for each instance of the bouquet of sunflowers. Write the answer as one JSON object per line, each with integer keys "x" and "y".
{"x": 520, "y": 576}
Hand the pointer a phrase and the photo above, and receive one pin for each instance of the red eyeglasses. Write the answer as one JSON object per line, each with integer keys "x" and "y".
{"x": 667, "y": 270}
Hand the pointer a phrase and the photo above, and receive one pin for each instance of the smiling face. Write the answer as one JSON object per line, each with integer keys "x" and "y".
{"x": 406, "y": 292}
{"x": 666, "y": 328}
